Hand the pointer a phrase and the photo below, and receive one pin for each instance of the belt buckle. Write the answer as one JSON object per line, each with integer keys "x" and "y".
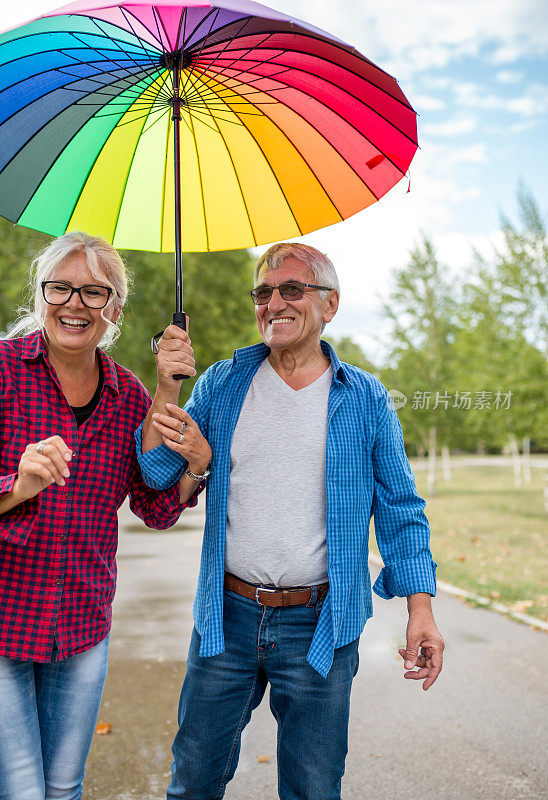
{"x": 262, "y": 589}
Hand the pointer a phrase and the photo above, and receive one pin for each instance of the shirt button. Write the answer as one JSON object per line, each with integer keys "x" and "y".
{"x": 63, "y": 537}
{"x": 68, "y": 495}
{"x": 58, "y": 582}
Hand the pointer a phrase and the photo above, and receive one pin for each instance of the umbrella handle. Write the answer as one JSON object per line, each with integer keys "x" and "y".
{"x": 179, "y": 319}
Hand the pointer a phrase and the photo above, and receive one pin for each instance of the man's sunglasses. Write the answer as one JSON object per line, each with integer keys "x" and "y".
{"x": 292, "y": 290}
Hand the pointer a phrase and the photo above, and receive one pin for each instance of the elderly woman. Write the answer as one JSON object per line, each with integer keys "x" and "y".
{"x": 67, "y": 463}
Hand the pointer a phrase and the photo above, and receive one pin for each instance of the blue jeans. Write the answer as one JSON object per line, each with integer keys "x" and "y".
{"x": 48, "y": 714}
{"x": 263, "y": 645}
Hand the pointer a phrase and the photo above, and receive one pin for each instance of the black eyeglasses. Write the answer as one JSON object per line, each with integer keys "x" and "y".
{"x": 292, "y": 290}
{"x": 57, "y": 293}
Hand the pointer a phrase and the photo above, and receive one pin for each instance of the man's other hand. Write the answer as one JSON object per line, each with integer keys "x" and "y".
{"x": 423, "y": 654}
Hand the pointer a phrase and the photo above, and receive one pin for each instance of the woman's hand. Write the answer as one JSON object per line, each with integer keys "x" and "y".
{"x": 42, "y": 464}
{"x": 180, "y": 433}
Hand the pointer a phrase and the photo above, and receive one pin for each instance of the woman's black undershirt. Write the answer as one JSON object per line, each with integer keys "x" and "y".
{"x": 82, "y": 413}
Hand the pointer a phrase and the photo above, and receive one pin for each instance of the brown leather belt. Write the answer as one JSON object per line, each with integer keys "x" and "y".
{"x": 274, "y": 597}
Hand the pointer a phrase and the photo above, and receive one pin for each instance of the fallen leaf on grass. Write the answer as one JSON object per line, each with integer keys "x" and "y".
{"x": 522, "y": 605}
{"x": 461, "y": 558}
{"x": 102, "y": 728}
{"x": 264, "y": 759}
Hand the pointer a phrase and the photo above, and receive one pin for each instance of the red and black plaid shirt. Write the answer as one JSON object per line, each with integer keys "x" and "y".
{"x": 57, "y": 550}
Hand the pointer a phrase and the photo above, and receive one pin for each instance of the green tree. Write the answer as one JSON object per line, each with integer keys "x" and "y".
{"x": 422, "y": 310}
{"x": 216, "y": 300}
{"x": 350, "y": 351}
{"x": 514, "y": 283}
{"x": 19, "y": 247}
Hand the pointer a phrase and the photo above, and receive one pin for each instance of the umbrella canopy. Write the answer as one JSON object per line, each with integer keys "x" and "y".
{"x": 283, "y": 129}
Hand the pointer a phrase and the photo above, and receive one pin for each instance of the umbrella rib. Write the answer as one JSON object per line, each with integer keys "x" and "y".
{"x": 228, "y": 66}
{"x": 127, "y": 177}
{"x": 337, "y": 86}
{"x": 94, "y": 50}
{"x": 201, "y": 22}
{"x": 131, "y": 121}
{"x": 126, "y": 14}
{"x": 139, "y": 41}
{"x": 195, "y": 61}
{"x": 228, "y": 41}
{"x": 75, "y": 134}
{"x": 72, "y": 88}
{"x": 193, "y": 133}
{"x": 247, "y": 83}
{"x": 273, "y": 173}
{"x": 240, "y": 72}
{"x": 156, "y": 16}
{"x": 236, "y": 176}
{"x": 402, "y": 173}
{"x": 55, "y": 116}
{"x": 351, "y": 51}
{"x": 162, "y": 212}
{"x": 327, "y": 40}
{"x": 286, "y": 136}
{"x": 104, "y": 71}
{"x": 94, "y": 79}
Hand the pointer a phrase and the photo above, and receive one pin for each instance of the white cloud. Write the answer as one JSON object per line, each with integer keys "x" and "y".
{"x": 532, "y": 102}
{"x": 453, "y": 127}
{"x": 413, "y": 37}
{"x": 425, "y": 102}
{"x": 509, "y": 76}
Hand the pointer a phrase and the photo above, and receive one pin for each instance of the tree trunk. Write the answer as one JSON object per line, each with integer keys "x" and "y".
{"x": 525, "y": 462}
{"x": 431, "y": 479}
{"x": 514, "y": 451}
{"x": 446, "y": 464}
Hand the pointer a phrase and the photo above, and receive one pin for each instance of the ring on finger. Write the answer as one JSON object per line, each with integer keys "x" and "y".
{"x": 184, "y": 426}
{"x": 40, "y": 447}
{"x": 181, "y": 438}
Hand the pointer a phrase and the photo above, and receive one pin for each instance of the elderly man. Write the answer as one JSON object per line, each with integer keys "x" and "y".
{"x": 304, "y": 449}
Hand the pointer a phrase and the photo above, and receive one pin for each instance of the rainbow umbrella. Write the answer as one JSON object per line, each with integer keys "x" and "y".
{"x": 192, "y": 126}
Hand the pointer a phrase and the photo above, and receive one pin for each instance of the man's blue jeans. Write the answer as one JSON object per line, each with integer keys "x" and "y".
{"x": 47, "y": 718}
{"x": 263, "y": 645}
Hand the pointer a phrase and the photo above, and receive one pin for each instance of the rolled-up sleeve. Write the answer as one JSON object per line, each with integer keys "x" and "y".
{"x": 158, "y": 509}
{"x": 401, "y": 527}
{"x": 162, "y": 467}
{"x": 17, "y": 523}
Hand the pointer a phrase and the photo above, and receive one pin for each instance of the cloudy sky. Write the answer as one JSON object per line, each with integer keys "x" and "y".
{"x": 477, "y": 73}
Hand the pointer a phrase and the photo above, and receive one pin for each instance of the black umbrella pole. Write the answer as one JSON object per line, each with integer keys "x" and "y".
{"x": 179, "y": 317}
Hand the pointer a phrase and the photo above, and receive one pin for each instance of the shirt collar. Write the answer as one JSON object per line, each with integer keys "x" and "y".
{"x": 35, "y": 346}
{"x": 253, "y": 355}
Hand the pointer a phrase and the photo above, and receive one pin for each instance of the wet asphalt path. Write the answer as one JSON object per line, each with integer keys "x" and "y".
{"x": 479, "y": 733}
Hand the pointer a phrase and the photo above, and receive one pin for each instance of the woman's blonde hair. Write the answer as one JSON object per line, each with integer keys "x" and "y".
{"x": 104, "y": 262}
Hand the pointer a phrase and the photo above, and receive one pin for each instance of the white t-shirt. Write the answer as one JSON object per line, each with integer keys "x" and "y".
{"x": 275, "y": 530}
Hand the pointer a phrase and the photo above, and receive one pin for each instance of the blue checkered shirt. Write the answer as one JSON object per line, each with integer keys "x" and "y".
{"x": 367, "y": 474}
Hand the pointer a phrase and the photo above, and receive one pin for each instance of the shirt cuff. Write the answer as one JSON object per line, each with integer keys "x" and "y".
{"x": 19, "y": 521}
{"x": 160, "y": 467}
{"x": 407, "y": 577}
{"x": 7, "y": 482}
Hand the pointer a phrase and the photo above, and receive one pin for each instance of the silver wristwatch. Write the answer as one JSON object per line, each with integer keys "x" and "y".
{"x": 198, "y": 478}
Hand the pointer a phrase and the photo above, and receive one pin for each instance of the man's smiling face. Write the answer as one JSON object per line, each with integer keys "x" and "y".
{"x": 297, "y": 324}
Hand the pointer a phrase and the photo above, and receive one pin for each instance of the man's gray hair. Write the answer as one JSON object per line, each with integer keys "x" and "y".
{"x": 319, "y": 263}
{"x": 104, "y": 263}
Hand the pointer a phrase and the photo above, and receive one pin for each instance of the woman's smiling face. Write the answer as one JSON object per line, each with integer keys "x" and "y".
{"x": 73, "y": 327}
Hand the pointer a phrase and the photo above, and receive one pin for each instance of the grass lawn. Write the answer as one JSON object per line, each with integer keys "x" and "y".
{"x": 489, "y": 537}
